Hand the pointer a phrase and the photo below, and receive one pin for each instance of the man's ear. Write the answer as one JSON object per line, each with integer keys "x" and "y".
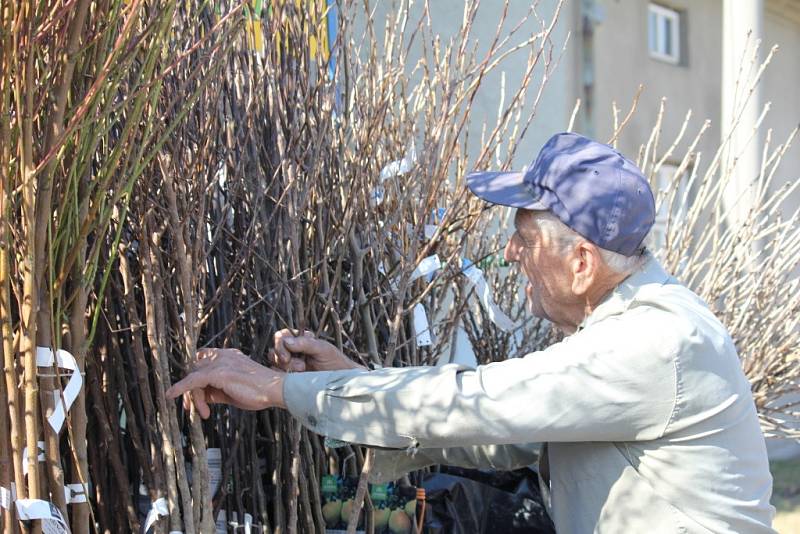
{"x": 584, "y": 265}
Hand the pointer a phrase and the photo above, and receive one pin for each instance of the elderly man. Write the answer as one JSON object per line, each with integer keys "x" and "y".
{"x": 647, "y": 418}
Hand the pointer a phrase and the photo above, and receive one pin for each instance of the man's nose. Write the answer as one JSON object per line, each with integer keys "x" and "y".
{"x": 508, "y": 253}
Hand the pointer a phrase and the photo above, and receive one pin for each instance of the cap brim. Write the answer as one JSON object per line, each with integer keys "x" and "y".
{"x": 504, "y": 188}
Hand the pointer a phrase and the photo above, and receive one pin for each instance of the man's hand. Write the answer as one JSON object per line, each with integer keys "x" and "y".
{"x": 230, "y": 377}
{"x": 307, "y": 353}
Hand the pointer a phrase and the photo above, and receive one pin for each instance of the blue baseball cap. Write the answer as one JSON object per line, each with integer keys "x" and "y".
{"x": 589, "y": 186}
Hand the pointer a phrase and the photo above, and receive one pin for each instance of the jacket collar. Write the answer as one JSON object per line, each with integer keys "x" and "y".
{"x": 616, "y": 302}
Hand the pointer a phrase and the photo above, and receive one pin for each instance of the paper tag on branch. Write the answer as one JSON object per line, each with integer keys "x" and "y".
{"x": 234, "y": 522}
{"x": 422, "y": 328}
{"x": 378, "y": 194}
{"x": 51, "y": 518}
{"x": 39, "y": 456}
{"x": 222, "y": 523}
{"x": 158, "y": 509}
{"x": 74, "y": 494}
{"x": 478, "y": 281}
{"x": 426, "y": 266}
{"x": 429, "y": 230}
{"x": 64, "y": 360}
{"x": 5, "y": 498}
{"x": 392, "y": 281}
{"x": 401, "y": 166}
{"x": 437, "y": 216}
{"x": 394, "y": 168}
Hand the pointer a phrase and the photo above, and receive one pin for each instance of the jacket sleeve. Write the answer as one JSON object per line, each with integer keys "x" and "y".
{"x": 614, "y": 381}
{"x": 391, "y": 464}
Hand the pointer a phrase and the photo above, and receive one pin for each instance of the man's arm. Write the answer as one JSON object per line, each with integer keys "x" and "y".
{"x": 615, "y": 381}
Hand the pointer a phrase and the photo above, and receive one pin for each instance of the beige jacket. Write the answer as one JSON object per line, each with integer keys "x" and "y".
{"x": 649, "y": 419}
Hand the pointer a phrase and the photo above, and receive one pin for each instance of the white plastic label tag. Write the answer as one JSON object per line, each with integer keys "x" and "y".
{"x": 496, "y": 315}
{"x": 39, "y": 457}
{"x": 421, "y": 326}
{"x": 158, "y": 509}
{"x": 74, "y": 494}
{"x": 51, "y": 518}
{"x": 64, "y": 360}
{"x": 5, "y": 498}
{"x": 426, "y": 266}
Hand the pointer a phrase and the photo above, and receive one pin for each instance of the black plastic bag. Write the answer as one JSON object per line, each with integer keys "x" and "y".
{"x": 467, "y": 501}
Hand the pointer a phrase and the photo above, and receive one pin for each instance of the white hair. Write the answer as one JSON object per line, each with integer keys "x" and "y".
{"x": 567, "y": 237}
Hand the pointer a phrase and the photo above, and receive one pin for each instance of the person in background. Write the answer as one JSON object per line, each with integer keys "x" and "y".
{"x": 646, "y": 416}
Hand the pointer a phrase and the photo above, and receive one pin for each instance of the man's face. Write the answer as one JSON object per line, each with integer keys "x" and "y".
{"x": 549, "y": 289}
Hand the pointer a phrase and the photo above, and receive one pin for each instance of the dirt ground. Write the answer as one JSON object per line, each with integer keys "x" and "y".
{"x": 786, "y": 495}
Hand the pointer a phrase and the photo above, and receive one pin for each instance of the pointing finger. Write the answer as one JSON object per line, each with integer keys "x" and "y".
{"x": 194, "y": 380}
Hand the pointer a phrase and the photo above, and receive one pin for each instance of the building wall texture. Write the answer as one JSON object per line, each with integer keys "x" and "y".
{"x": 621, "y": 62}
{"x": 781, "y": 83}
{"x": 556, "y": 101}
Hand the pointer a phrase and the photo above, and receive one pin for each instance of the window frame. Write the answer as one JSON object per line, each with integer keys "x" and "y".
{"x": 661, "y": 14}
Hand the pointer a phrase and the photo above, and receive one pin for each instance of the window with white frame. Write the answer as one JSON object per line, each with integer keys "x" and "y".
{"x": 671, "y": 206}
{"x": 664, "y": 33}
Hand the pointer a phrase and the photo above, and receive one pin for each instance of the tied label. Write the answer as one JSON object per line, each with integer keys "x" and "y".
{"x": 426, "y": 266}
{"x": 51, "y": 518}
{"x": 158, "y": 509}
{"x": 478, "y": 281}
{"x": 421, "y": 326}
{"x": 63, "y": 360}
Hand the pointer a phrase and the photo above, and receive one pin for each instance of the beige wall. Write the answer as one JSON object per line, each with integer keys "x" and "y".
{"x": 781, "y": 82}
{"x": 622, "y": 62}
{"x": 559, "y": 97}
{"x": 781, "y": 88}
